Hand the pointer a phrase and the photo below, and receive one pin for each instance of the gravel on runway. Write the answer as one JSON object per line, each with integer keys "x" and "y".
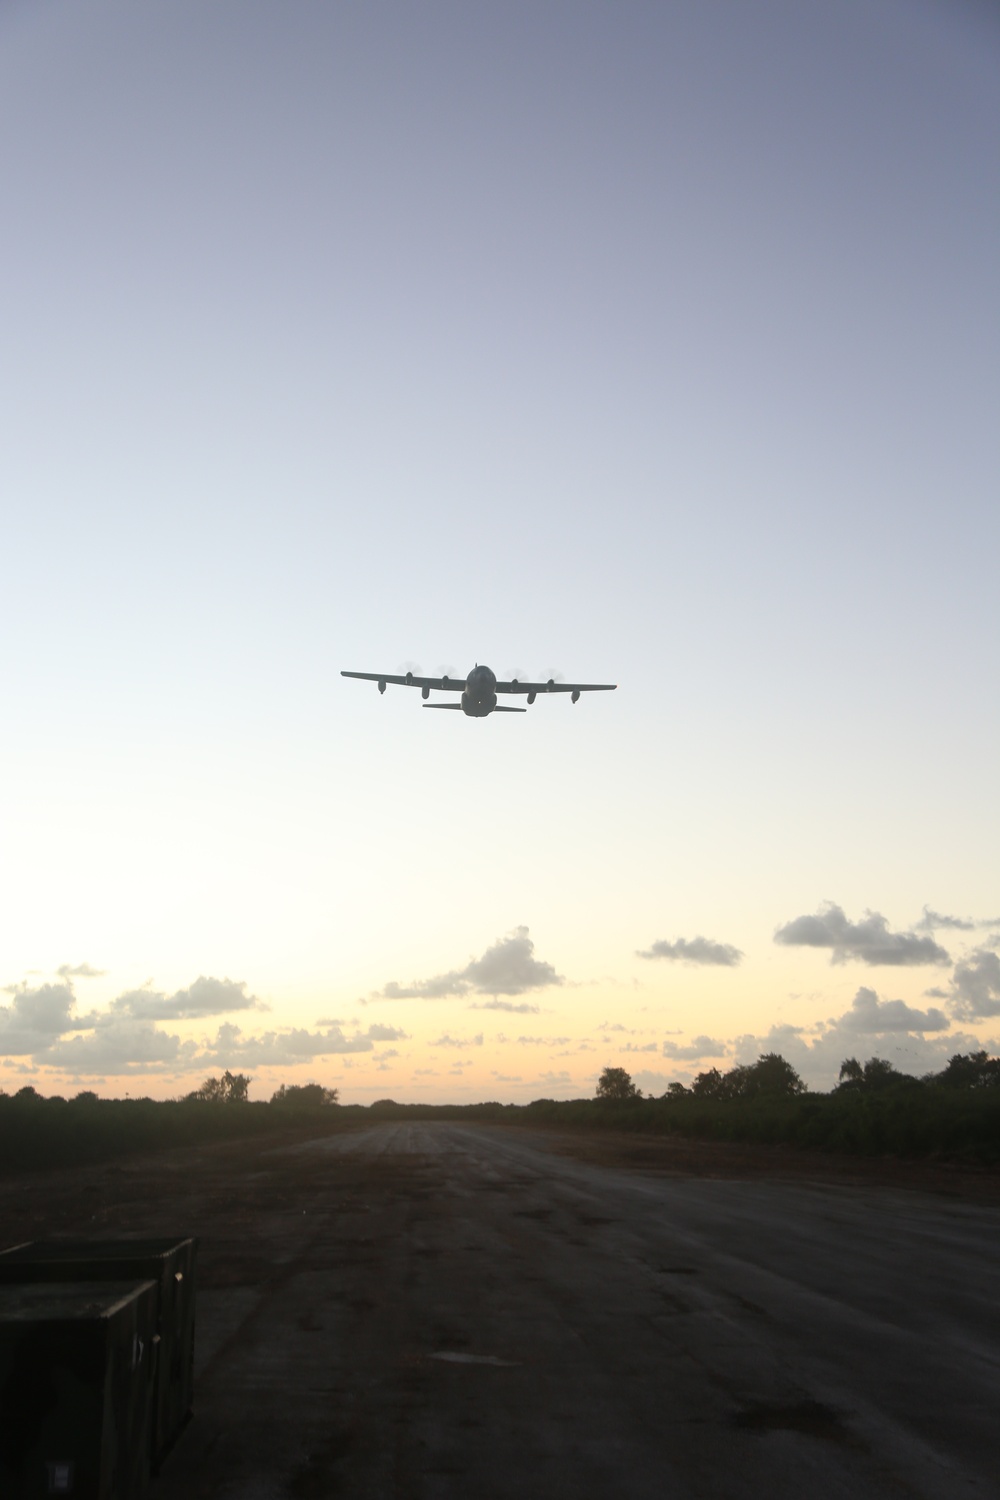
{"x": 443, "y": 1310}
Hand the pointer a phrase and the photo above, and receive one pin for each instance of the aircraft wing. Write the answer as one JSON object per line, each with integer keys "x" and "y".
{"x": 552, "y": 686}
{"x": 441, "y": 684}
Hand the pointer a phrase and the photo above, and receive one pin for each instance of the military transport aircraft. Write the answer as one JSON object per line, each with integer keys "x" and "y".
{"x": 479, "y": 690}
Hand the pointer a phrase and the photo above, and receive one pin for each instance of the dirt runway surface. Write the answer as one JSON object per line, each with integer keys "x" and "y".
{"x": 441, "y": 1310}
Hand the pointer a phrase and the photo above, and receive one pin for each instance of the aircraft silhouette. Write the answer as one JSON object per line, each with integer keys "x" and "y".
{"x": 479, "y": 690}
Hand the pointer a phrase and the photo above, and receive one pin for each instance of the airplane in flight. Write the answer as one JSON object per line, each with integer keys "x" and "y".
{"x": 479, "y": 690}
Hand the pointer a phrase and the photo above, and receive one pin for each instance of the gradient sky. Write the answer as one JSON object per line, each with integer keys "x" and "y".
{"x": 653, "y": 344}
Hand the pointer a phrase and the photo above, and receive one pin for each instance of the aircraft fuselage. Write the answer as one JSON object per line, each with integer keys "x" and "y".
{"x": 480, "y": 696}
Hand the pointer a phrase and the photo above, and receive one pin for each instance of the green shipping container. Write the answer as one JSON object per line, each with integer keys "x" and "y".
{"x": 170, "y": 1263}
{"x": 77, "y": 1365}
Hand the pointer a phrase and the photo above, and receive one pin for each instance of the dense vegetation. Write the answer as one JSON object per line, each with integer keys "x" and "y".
{"x": 874, "y": 1110}
{"x": 37, "y": 1132}
{"x": 914, "y": 1119}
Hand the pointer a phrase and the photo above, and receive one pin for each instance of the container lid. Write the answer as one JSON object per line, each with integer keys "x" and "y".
{"x": 79, "y": 1249}
{"x": 38, "y": 1302}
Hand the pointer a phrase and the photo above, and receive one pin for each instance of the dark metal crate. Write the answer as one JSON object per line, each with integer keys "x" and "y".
{"x": 77, "y": 1372}
{"x": 170, "y": 1263}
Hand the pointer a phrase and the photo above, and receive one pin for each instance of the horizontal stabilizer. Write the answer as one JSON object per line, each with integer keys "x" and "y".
{"x": 455, "y": 707}
{"x": 506, "y": 708}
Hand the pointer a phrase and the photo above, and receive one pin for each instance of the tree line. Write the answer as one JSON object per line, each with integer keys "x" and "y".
{"x": 772, "y": 1075}
{"x": 873, "y": 1110}
{"x": 234, "y": 1088}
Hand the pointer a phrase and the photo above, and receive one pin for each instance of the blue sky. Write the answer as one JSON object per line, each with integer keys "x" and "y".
{"x": 644, "y": 344}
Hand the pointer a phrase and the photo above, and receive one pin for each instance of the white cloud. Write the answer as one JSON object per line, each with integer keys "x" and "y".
{"x": 121, "y": 1045}
{"x": 696, "y": 950}
{"x": 652, "y": 1082}
{"x": 560, "y": 1081}
{"x": 869, "y": 1014}
{"x": 79, "y": 971}
{"x": 935, "y": 921}
{"x": 42, "y": 1022}
{"x": 542, "y": 1041}
{"x": 451, "y": 1041}
{"x": 869, "y": 940}
{"x": 231, "y": 1048}
{"x": 37, "y": 1017}
{"x": 976, "y": 986}
{"x": 513, "y": 1007}
{"x": 818, "y": 1059}
{"x": 698, "y": 1047}
{"x": 205, "y": 997}
{"x": 377, "y": 1032}
{"x": 872, "y": 1028}
{"x": 509, "y": 967}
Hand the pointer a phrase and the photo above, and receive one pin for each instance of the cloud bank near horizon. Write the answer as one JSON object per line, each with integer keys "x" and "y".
{"x": 41, "y": 1023}
{"x": 133, "y": 1033}
{"x": 818, "y": 1058}
{"x": 975, "y": 987}
{"x": 869, "y": 1015}
{"x": 37, "y": 1017}
{"x": 697, "y": 1048}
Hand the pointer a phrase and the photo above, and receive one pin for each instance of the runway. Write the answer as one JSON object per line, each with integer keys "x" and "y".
{"x": 438, "y": 1310}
